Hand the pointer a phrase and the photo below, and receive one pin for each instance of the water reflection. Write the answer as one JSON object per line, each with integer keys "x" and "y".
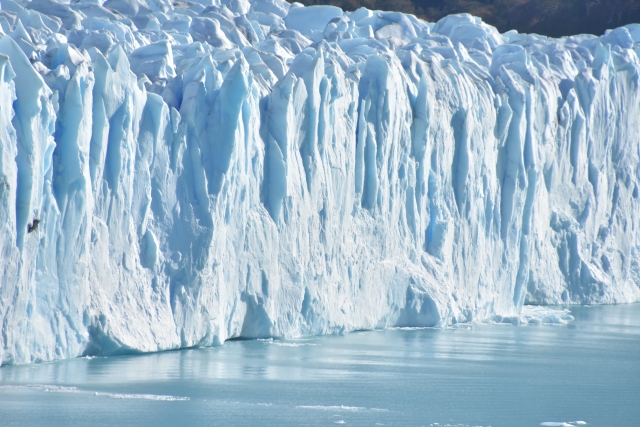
{"x": 487, "y": 375}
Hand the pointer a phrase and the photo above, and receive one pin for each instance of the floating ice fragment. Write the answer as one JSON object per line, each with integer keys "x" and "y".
{"x": 63, "y": 389}
{"x": 332, "y": 408}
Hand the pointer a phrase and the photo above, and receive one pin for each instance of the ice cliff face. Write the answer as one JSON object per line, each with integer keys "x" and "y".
{"x": 206, "y": 171}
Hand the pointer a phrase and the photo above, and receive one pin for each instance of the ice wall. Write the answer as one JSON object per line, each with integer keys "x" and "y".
{"x": 203, "y": 171}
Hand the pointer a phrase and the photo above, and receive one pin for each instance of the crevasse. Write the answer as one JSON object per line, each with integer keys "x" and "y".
{"x": 205, "y": 170}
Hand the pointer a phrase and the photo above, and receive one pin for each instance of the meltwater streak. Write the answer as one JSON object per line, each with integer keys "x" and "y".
{"x": 261, "y": 169}
{"x": 489, "y": 375}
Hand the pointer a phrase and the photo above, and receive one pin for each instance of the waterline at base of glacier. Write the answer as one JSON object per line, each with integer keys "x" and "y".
{"x": 499, "y": 376}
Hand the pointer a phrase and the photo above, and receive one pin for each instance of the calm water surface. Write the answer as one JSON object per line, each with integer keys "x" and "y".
{"x": 495, "y": 376}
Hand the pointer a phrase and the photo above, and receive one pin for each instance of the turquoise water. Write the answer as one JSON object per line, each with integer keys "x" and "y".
{"x": 494, "y": 376}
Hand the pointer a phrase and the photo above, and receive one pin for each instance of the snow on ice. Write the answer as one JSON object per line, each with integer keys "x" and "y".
{"x": 176, "y": 174}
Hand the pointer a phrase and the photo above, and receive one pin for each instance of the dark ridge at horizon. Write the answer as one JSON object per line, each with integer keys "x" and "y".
{"x": 554, "y": 18}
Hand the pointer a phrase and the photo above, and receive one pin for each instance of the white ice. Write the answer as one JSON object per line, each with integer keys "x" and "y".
{"x": 211, "y": 169}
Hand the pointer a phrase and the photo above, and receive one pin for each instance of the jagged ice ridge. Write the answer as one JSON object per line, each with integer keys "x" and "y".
{"x": 206, "y": 170}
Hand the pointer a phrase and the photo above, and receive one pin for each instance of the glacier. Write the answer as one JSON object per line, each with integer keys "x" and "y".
{"x": 212, "y": 169}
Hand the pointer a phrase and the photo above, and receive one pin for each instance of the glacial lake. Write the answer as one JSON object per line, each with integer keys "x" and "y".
{"x": 501, "y": 376}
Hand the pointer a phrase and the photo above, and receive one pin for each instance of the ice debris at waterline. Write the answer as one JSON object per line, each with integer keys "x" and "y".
{"x": 205, "y": 171}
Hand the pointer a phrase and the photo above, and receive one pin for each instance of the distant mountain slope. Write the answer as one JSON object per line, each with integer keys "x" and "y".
{"x": 554, "y": 18}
